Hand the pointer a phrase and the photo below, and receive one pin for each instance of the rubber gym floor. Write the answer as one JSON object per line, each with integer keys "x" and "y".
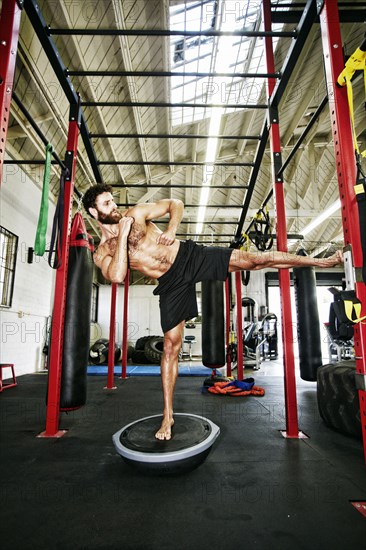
{"x": 256, "y": 490}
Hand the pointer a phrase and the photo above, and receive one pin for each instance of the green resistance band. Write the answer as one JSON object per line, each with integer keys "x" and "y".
{"x": 40, "y": 241}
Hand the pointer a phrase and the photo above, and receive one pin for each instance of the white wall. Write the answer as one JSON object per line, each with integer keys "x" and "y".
{"x": 143, "y": 313}
{"x": 256, "y": 288}
{"x": 23, "y": 325}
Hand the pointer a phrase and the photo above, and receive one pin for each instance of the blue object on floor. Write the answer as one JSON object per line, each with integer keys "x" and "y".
{"x": 147, "y": 370}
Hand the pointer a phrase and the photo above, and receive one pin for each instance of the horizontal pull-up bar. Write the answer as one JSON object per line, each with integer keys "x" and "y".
{"x": 151, "y": 163}
{"x": 173, "y": 105}
{"x": 166, "y": 32}
{"x": 171, "y": 74}
{"x": 217, "y": 206}
{"x": 30, "y": 161}
{"x": 203, "y": 235}
{"x": 213, "y": 240}
{"x": 139, "y": 163}
{"x": 212, "y": 222}
{"x": 170, "y": 136}
{"x": 292, "y": 236}
{"x": 176, "y": 186}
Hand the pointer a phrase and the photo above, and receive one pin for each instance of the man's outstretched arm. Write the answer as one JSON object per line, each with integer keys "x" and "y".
{"x": 176, "y": 211}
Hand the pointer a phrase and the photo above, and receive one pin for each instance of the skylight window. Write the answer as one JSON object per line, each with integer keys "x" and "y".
{"x": 198, "y": 54}
{"x": 215, "y": 54}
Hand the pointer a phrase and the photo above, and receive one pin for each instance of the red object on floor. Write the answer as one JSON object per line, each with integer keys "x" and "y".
{"x": 360, "y": 507}
{"x": 9, "y": 384}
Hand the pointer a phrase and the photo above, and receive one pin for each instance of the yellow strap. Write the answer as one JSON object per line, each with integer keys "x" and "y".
{"x": 349, "y": 307}
{"x": 357, "y": 62}
{"x": 246, "y": 244}
{"x": 359, "y": 188}
{"x": 351, "y": 113}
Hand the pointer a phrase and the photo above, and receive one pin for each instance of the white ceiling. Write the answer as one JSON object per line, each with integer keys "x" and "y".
{"x": 310, "y": 179}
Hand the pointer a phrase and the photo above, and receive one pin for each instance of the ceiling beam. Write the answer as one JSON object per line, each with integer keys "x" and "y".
{"x": 42, "y": 91}
{"x": 131, "y": 84}
{"x": 40, "y": 27}
{"x": 152, "y": 192}
{"x": 79, "y": 61}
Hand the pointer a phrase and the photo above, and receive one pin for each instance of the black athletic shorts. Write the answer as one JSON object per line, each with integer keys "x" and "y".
{"x": 177, "y": 287}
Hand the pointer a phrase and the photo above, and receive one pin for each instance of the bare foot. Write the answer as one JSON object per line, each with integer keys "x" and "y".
{"x": 165, "y": 431}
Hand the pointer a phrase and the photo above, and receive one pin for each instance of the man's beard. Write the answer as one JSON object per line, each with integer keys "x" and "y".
{"x": 109, "y": 219}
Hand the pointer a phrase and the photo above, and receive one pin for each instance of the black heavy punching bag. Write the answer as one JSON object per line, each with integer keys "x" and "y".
{"x": 77, "y": 318}
{"x": 213, "y": 324}
{"x": 308, "y": 328}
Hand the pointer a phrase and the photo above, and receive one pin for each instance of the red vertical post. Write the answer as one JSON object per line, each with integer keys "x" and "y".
{"x": 239, "y": 326}
{"x": 227, "y": 326}
{"x": 9, "y": 35}
{"x": 58, "y": 316}
{"x": 112, "y": 338}
{"x": 125, "y": 325}
{"x": 292, "y": 429}
{"x": 346, "y": 174}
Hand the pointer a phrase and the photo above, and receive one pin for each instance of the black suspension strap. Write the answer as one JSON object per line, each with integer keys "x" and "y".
{"x": 360, "y": 190}
{"x": 58, "y": 226}
{"x": 262, "y": 234}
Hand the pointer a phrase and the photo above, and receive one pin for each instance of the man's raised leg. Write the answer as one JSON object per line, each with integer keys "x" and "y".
{"x": 169, "y": 374}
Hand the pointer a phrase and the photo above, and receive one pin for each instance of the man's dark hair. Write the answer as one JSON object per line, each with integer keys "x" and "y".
{"x": 92, "y": 193}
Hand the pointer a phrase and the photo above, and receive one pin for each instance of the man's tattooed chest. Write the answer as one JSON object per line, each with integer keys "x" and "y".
{"x": 137, "y": 233}
{"x": 112, "y": 245}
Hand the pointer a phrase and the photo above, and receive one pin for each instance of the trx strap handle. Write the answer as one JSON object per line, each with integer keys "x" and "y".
{"x": 57, "y": 227}
{"x": 245, "y": 275}
{"x": 347, "y": 308}
{"x": 263, "y": 239}
{"x": 40, "y": 240}
{"x": 243, "y": 243}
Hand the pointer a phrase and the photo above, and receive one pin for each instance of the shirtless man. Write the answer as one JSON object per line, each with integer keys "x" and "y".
{"x": 131, "y": 238}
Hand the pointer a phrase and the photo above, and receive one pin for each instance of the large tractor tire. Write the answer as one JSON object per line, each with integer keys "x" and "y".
{"x": 98, "y": 353}
{"x": 154, "y": 349}
{"x": 140, "y": 342}
{"x": 138, "y": 357}
{"x": 338, "y": 400}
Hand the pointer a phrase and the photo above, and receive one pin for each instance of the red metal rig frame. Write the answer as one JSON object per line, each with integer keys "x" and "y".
{"x": 346, "y": 172}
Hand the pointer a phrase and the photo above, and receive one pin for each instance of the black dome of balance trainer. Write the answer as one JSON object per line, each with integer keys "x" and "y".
{"x": 191, "y": 442}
